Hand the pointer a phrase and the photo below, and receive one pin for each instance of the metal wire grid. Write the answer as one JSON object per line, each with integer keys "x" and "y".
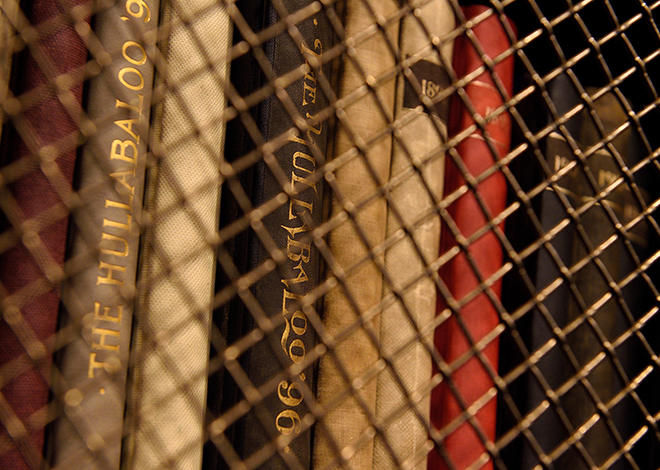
{"x": 618, "y": 39}
{"x": 626, "y": 448}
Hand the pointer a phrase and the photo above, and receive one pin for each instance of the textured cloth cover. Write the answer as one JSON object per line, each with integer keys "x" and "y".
{"x": 477, "y": 317}
{"x": 345, "y": 430}
{"x": 39, "y": 158}
{"x": 99, "y": 295}
{"x": 177, "y": 285}
{"x": 416, "y": 177}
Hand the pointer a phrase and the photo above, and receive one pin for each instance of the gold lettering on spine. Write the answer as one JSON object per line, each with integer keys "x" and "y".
{"x": 302, "y": 276}
{"x": 284, "y": 392}
{"x": 293, "y": 231}
{"x": 108, "y": 340}
{"x": 134, "y": 73}
{"x": 122, "y": 244}
{"x": 119, "y": 148}
{"x": 298, "y": 252}
{"x": 127, "y": 125}
{"x": 310, "y": 92}
{"x": 301, "y": 165}
{"x": 296, "y": 139}
{"x": 122, "y": 178}
{"x": 312, "y": 128}
{"x": 105, "y": 315}
{"x": 135, "y": 109}
{"x": 310, "y": 142}
{"x": 120, "y": 205}
{"x": 116, "y": 235}
{"x": 309, "y": 80}
{"x": 297, "y": 202}
{"x": 299, "y": 179}
{"x": 119, "y": 225}
{"x": 285, "y": 313}
{"x": 124, "y": 52}
{"x": 142, "y": 9}
{"x": 109, "y": 278}
{"x": 93, "y": 365}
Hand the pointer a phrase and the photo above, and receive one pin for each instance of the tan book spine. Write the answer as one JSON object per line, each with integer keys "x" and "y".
{"x": 345, "y": 431}
{"x": 169, "y": 384}
{"x": 416, "y": 176}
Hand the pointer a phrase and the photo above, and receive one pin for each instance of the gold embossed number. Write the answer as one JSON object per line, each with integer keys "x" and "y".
{"x": 297, "y": 351}
{"x": 287, "y": 422}
{"x": 142, "y": 9}
{"x": 299, "y": 323}
{"x": 284, "y": 391}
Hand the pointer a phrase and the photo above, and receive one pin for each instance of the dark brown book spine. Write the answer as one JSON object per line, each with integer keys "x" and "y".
{"x": 280, "y": 294}
{"x": 603, "y": 256}
{"x": 39, "y": 159}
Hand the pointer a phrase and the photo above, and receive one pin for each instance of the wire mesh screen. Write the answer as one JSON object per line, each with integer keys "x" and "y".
{"x": 303, "y": 234}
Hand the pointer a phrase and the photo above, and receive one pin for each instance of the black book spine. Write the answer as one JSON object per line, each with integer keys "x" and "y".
{"x": 223, "y": 391}
{"x": 277, "y": 365}
{"x": 548, "y": 429}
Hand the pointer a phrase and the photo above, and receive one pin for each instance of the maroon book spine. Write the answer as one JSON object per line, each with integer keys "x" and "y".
{"x": 478, "y": 315}
{"x": 45, "y": 146}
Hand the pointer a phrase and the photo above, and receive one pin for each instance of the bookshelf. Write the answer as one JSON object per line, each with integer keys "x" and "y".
{"x": 329, "y": 234}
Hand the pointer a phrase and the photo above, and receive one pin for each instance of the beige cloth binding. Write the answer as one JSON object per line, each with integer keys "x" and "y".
{"x": 346, "y": 425}
{"x": 405, "y": 332}
{"x": 172, "y": 345}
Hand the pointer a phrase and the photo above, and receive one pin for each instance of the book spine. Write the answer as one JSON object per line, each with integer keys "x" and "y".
{"x": 8, "y": 14}
{"x": 223, "y": 391}
{"x": 167, "y": 404}
{"x": 232, "y": 318}
{"x": 363, "y": 151}
{"x": 596, "y": 316}
{"x": 283, "y": 292}
{"x": 98, "y": 298}
{"x": 476, "y": 317}
{"x": 416, "y": 176}
{"x": 551, "y": 260}
{"x": 41, "y": 149}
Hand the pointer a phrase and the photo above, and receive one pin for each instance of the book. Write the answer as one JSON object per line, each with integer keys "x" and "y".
{"x": 275, "y": 432}
{"x": 416, "y": 178}
{"x": 551, "y": 260}
{"x": 604, "y": 254}
{"x": 170, "y": 351}
{"x": 361, "y": 156}
{"x": 8, "y": 12}
{"x": 470, "y": 277}
{"x": 580, "y": 303}
{"x": 38, "y": 159}
{"x": 98, "y": 297}
{"x": 223, "y": 392}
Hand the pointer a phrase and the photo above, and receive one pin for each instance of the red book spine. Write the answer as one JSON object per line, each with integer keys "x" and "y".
{"x": 478, "y": 316}
{"x": 46, "y": 149}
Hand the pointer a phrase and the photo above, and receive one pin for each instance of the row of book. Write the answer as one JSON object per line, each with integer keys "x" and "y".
{"x": 301, "y": 234}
